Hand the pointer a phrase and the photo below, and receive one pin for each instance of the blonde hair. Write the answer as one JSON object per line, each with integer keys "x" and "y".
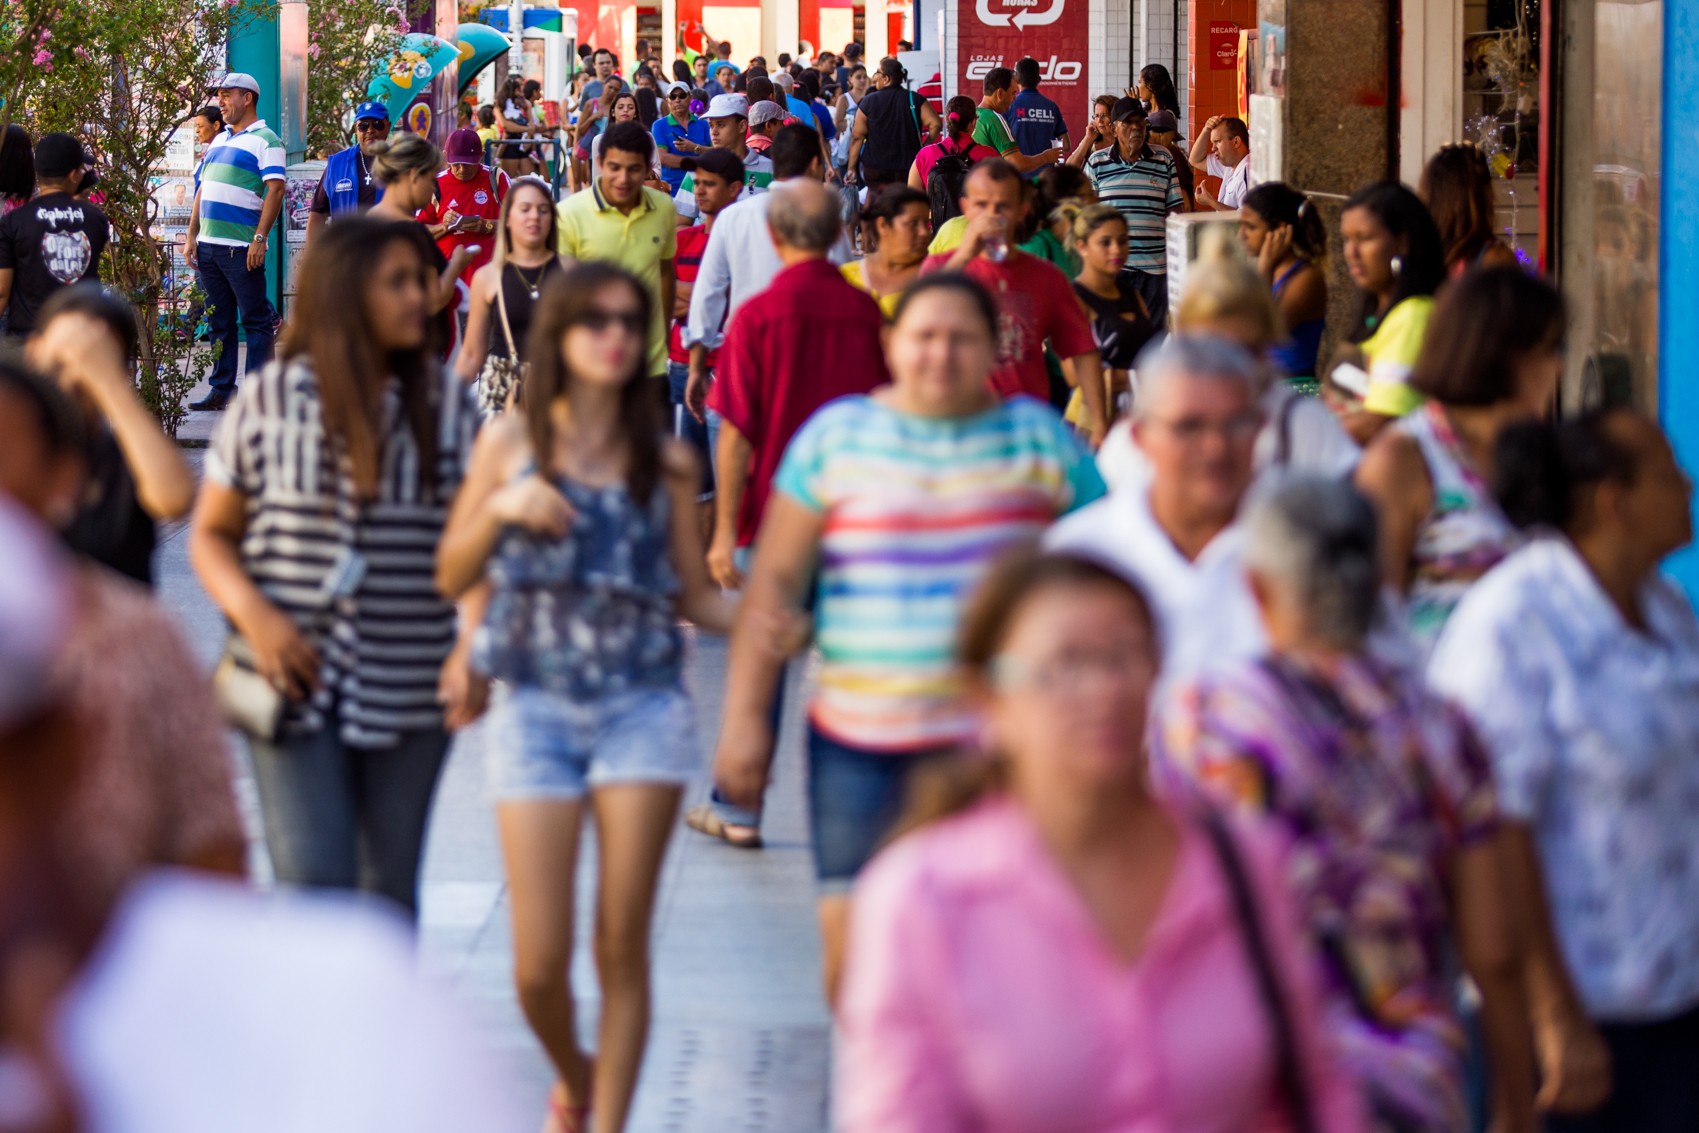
{"x": 551, "y": 238}
{"x": 1084, "y": 219}
{"x": 1221, "y": 286}
{"x": 398, "y": 156}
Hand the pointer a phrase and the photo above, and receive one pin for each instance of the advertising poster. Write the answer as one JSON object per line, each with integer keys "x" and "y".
{"x": 996, "y": 33}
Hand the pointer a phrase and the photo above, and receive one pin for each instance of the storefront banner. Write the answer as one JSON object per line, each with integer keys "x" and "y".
{"x": 996, "y": 33}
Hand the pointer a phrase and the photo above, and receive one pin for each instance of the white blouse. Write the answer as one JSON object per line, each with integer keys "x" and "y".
{"x": 1593, "y": 728}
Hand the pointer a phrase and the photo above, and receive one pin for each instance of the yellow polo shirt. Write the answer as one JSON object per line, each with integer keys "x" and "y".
{"x": 644, "y": 242}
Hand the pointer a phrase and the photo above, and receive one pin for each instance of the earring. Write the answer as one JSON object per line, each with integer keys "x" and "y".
{"x": 1397, "y": 265}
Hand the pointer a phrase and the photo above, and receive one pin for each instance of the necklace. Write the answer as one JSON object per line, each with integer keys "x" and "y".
{"x": 535, "y": 286}
{"x": 365, "y": 176}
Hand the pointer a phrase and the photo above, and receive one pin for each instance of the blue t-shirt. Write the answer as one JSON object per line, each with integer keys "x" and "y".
{"x": 666, "y": 131}
{"x": 824, "y": 117}
{"x": 1035, "y": 121}
{"x": 799, "y": 110}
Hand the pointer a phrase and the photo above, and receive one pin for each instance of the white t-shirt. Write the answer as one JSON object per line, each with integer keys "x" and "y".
{"x": 210, "y": 1008}
{"x": 1235, "y": 179}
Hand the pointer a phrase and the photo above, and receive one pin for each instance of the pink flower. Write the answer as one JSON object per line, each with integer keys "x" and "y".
{"x": 43, "y": 59}
{"x": 79, "y": 52}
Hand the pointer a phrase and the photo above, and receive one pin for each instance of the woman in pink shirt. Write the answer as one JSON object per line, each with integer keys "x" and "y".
{"x": 960, "y": 115}
{"x": 1049, "y": 948}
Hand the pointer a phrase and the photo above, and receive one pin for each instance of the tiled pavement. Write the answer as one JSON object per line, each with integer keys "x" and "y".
{"x": 740, "y": 1036}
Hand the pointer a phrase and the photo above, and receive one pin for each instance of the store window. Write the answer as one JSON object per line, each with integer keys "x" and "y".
{"x": 1610, "y": 192}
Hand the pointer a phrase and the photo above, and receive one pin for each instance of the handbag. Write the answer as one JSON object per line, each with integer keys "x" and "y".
{"x": 500, "y": 381}
{"x": 250, "y": 702}
{"x": 1288, "y": 1072}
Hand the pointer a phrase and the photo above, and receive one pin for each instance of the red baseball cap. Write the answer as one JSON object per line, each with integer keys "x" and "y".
{"x": 465, "y": 147}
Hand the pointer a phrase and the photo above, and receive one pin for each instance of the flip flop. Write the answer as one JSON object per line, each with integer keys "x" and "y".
{"x": 702, "y": 819}
{"x": 563, "y": 1118}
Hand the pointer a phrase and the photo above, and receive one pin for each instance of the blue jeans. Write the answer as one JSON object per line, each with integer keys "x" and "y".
{"x": 855, "y": 797}
{"x": 686, "y": 427}
{"x": 232, "y": 286}
{"x": 338, "y": 817}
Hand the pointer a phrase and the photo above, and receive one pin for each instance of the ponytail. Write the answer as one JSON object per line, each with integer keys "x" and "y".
{"x": 961, "y": 115}
{"x": 1541, "y": 469}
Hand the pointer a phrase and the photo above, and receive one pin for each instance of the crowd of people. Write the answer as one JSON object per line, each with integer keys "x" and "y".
{"x": 1204, "y": 735}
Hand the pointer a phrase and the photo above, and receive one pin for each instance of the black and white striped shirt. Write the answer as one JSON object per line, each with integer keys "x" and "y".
{"x": 381, "y": 649}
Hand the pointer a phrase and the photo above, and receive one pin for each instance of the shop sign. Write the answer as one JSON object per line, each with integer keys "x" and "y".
{"x": 997, "y": 33}
{"x": 1223, "y": 45}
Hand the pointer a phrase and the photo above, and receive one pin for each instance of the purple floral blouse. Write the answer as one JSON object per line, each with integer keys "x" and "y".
{"x": 1377, "y": 783}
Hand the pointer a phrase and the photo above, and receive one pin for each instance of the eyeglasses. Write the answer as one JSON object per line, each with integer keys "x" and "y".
{"x": 596, "y": 321}
{"x": 372, "y": 126}
{"x": 1190, "y": 430}
{"x": 1071, "y": 671}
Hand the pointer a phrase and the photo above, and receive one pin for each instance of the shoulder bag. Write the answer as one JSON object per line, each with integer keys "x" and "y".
{"x": 1289, "y": 1072}
{"x": 499, "y": 382}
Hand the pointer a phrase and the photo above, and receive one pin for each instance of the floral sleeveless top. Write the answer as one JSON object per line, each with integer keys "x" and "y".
{"x": 1463, "y": 537}
{"x": 590, "y": 615}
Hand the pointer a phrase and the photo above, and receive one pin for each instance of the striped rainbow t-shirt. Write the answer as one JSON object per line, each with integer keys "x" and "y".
{"x": 915, "y": 510}
{"x": 233, "y": 177}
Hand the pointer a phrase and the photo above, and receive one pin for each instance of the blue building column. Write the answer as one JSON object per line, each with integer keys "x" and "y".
{"x": 1678, "y": 268}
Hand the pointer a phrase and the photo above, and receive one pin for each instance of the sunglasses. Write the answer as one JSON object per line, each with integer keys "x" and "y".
{"x": 596, "y": 321}
{"x": 678, "y": 94}
{"x": 372, "y": 126}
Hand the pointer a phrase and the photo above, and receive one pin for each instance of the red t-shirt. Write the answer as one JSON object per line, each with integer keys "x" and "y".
{"x": 810, "y": 338}
{"x": 692, "y": 241}
{"x": 1035, "y": 302}
{"x": 929, "y": 155}
{"x": 468, "y": 198}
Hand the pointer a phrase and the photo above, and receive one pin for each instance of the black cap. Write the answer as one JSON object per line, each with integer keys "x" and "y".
{"x": 58, "y": 156}
{"x": 722, "y": 163}
{"x": 1127, "y": 108}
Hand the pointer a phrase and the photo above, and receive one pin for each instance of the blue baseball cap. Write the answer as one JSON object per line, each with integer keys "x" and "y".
{"x": 372, "y": 110}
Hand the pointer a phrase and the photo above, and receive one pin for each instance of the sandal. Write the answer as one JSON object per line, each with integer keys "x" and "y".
{"x": 565, "y": 1118}
{"x": 702, "y": 819}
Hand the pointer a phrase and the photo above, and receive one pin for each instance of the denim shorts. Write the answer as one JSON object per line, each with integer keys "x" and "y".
{"x": 855, "y": 797}
{"x": 542, "y": 745}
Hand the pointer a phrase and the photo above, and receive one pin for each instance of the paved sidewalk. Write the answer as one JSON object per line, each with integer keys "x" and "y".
{"x": 740, "y": 1036}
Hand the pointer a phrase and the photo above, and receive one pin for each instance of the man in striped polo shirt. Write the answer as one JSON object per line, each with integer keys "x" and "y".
{"x": 1142, "y": 181}
{"x": 240, "y": 195}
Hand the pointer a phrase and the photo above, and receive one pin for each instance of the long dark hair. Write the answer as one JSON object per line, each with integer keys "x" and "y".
{"x": 648, "y": 105}
{"x": 566, "y": 300}
{"x": 951, "y": 786}
{"x": 17, "y": 164}
{"x": 329, "y": 328}
{"x": 1485, "y": 325}
{"x": 1458, "y": 188}
{"x": 1402, "y": 213}
{"x": 1161, "y": 85}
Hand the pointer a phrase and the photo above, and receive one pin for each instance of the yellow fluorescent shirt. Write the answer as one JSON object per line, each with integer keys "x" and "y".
{"x": 949, "y": 236}
{"x": 1391, "y": 352}
{"x": 644, "y": 242}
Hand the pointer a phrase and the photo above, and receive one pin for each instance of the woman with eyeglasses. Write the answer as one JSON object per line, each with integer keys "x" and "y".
{"x": 578, "y": 521}
{"x": 505, "y": 294}
{"x": 1048, "y": 946}
{"x": 893, "y": 505}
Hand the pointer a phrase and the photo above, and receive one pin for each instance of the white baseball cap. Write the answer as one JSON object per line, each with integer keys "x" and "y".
{"x": 728, "y": 106}
{"x": 767, "y": 111}
{"x": 237, "y": 80}
{"x": 675, "y": 85}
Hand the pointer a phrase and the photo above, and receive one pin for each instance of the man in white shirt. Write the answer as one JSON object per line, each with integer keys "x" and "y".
{"x": 740, "y": 258}
{"x": 1196, "y": 423}
{"x": 1223, "y": 150}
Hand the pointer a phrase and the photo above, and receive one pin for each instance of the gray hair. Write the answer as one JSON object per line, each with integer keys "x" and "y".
{"x": 804, "y": 216}
{"x": 1185, "y": 357}
{"x": 1317, "y": 539}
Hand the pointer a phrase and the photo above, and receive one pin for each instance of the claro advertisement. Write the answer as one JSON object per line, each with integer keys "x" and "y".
{"x": 995, "y": 33}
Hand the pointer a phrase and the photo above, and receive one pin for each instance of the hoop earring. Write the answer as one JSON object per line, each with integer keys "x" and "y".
{"x": 1397, "y": 265}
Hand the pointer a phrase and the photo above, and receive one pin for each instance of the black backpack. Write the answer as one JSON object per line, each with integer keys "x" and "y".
{"x": 944, "y": 184}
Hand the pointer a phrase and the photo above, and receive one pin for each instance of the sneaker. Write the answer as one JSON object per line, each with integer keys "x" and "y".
{"x": 212, "y": 402}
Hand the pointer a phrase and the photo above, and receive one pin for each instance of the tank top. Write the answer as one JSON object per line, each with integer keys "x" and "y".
{"x": 590, "y": 615}
{"x": 516, "y": 293}
{"x": 1120, "y": 325}
{"x": 893, "y": 133}
{"x": 1296, "y": 357}
{"x": 1461, "y": 538}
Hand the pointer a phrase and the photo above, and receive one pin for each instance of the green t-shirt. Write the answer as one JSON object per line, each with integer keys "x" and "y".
{"x": 991, "y": 130}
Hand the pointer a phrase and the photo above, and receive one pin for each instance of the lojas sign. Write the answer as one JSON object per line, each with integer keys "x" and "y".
{"x": 996, "y": 33}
